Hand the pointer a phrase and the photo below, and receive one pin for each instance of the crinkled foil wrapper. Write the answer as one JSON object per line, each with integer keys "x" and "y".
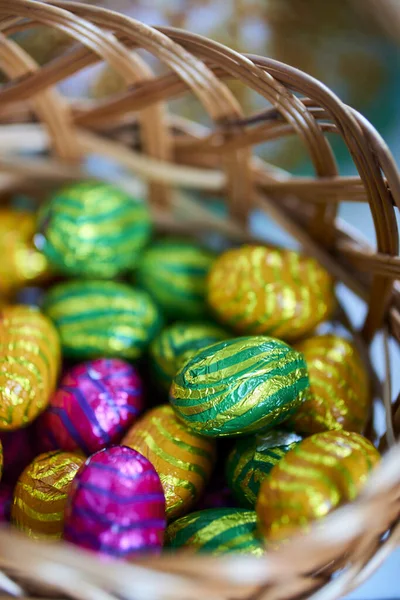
{"x": 217, "y": 531}
{"x": 93, "y": 406}
{"x": 321, "y": 473}
{"x": 93, "y": 230}
{"x": 31, "y": 350}
{"x": 102, "y": 319}
{"x": 116, "y": 505}
{"x": 240, "y": 386}
{"x": 339, "y": 395}
{"x": 182, "y": 458}
{"x": 41, "y": 493}
{"x": 258, "y": 290}
{"x": 21, "y": 263}
{"x": 174, "y": 272}
{"x": 177, "y": 343}
{"x": 252, "y": 459}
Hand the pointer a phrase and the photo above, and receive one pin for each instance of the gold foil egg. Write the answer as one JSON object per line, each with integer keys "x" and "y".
{"x": 338, "y": 397}
{"x": 259, "y": 290}
{"x": 182, "y": 458}
{"x": 318, "y": 475}
{"x": 29, "y": 364}
{"x": 41, "y": 494}
{"x": 21, "y": 263}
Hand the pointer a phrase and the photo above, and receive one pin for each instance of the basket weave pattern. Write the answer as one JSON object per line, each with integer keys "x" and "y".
{"x": 135, "y": 129}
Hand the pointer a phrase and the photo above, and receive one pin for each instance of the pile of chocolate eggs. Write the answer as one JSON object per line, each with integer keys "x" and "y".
{"x": 159, "y": 395}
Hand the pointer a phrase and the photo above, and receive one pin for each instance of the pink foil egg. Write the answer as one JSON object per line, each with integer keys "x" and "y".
{"x": 96, "y": 402}
{"x": 18, "y": 452}
{"x": 116, "y": 505}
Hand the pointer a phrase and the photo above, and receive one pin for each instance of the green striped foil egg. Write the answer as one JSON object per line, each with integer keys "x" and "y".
{"x": 217, "y": 531}
{"x": 240, "y": 386}
{"x": 102, "y": 319}
{"x": 93, "y": 229}
{"x": 251, "y": 460}
{"x": 174, "y": 272}
{"x": 177, "y": 343}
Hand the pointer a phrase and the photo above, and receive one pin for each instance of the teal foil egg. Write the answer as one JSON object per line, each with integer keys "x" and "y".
{"x": 216, "y": 531}
{"x": 177, "y": 343}
{"x": 93, "y": 229}
{"x": 240, "y": 386}
{"x": 102, "y": 319}
{"x": 252, "y": 458}
{"x": 174, "y": 272}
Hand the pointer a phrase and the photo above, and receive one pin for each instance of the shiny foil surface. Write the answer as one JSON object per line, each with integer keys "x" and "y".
{"x": 318, "y": 475}
{"x": 21, "y": 263}
{"x": 174, "y": 272}
{"x": 259, "y": 290}
{"x": 177, "y": 343}
{"x": 182, "y": 458}
{"x": 41, "y": 493}
{"x": 216, "y": 531}
{"x": 116, "y": 505}
{"x": 339, "y": 394}
{"x": 240, "y": 386}
{"x": 29, "y": 365}
{"x": 93, "y": 229}
{"x": 93, "y": 406}
{"x": 18, "y": 452}
{"x": 252, "y": 458}
{"x": 97, "y": 319}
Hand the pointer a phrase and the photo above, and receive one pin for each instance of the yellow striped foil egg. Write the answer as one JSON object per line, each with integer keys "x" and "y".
{"x": 318, "y": 475}
{"x": 29, "y": 365}
{"x": 183, "y": 459}
{"x": 259, "y": 290}
{"x": 216, "y": 531}
{"x": 339, "y": 394}
{"x": 41, "y": 494}
{"x": 21, "y": 263}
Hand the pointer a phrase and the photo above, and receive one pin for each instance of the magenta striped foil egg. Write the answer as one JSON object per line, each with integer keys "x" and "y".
{"x": 18, "y": 452}
{"x": 116, "y": 505}
{"x": 96, "y": 402}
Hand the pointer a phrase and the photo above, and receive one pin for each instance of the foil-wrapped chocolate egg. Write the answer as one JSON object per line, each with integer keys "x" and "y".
{"x": 339, "y": 394}
{"x": 41, "y": 493}
{"x": 116, "y": 505}
{"x": 182, "y": 458}
{"x": 259, "y": 290}
{"x": 18, "y": 452}
{"x": 318, "y": 475}
{"x": 21, "y": 263}
{"x": 93, "y": 229}
{"x": 30, "y": 363}
{"x": 216, "y": 531}
{"x": 102, "y": 319}
{"x": 174, "y": 272}
{"x": 240, "y": 386}
{"x": 177, "y": 343}
{"x": 93, "y": 406}
{"x": 252, "y": 458}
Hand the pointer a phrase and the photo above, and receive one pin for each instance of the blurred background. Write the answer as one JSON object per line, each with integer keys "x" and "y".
{"x": 351, "y": 45}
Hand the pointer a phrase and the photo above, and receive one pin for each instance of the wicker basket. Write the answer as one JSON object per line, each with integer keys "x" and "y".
{"x": 170, "y": 153}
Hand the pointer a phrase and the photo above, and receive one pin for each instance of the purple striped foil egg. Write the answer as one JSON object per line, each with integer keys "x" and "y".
{"x": 116, "y": 505}
{"x": 96, "y": 402}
